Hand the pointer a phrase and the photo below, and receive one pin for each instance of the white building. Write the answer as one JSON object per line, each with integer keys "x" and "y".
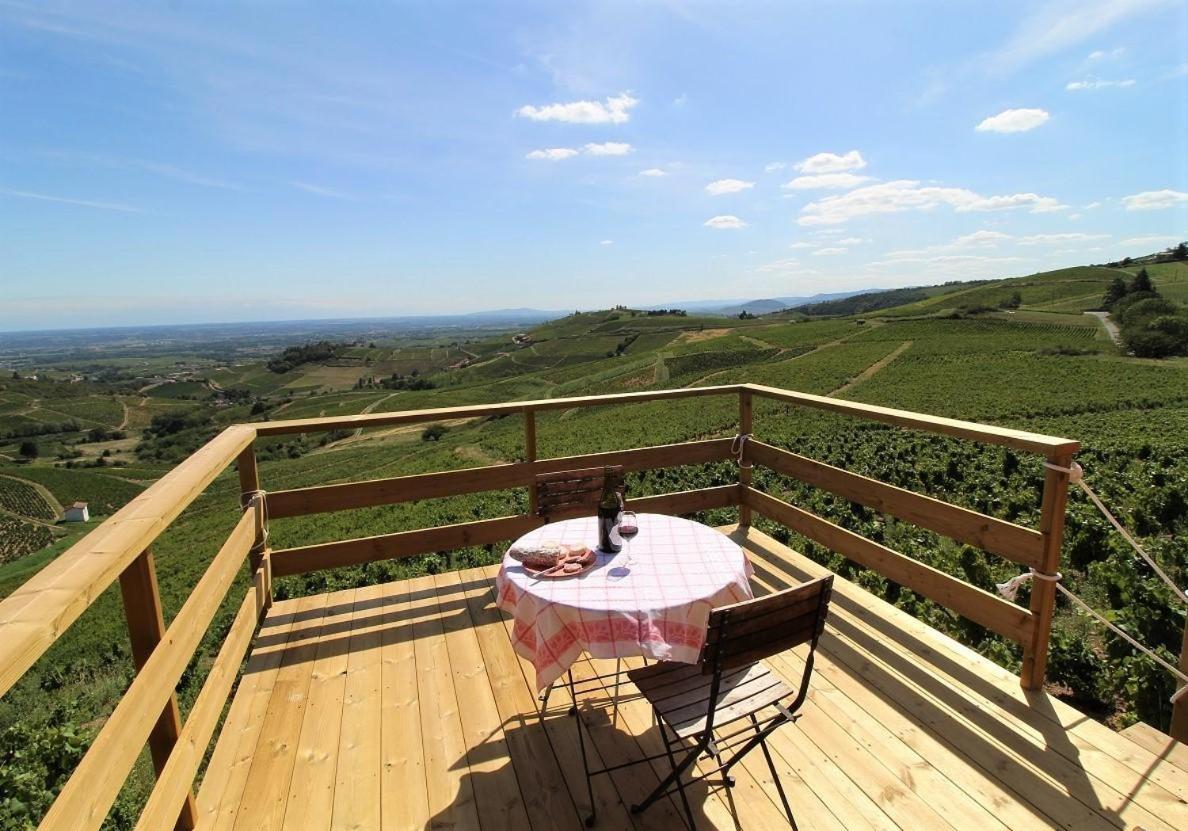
{"x": 76, "y": 513}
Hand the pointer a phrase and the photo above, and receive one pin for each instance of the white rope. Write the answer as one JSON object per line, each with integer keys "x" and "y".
{"x": 1122, "y": 634}
{"x": 738, "y": 447}
{"x": 246, "y": 498}
{"x": 1010, "y": 588}
{"x": 1076, "y": 475}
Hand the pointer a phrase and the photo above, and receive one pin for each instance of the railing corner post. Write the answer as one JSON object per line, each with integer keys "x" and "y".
{"x": 745, "y": 423}
{"x": 1043, "y": 592}
{"x": 258, "y": 559}
{"x": 1179, "y": 720}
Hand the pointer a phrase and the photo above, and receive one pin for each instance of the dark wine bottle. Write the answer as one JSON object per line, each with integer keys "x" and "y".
{"x": 610, "y": 509}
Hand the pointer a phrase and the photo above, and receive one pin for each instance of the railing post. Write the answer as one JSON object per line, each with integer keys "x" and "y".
{"x": 1043, "y": 592}
{"x": 1179, "y": 721}
{"x": 146, "y": 627}
{"x": 745, "y": 417}
{"x": 530, "y": 456}
{"x": 260, "y": 563}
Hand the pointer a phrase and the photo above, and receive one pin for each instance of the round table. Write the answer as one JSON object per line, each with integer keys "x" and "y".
{"x": 653, "y": 598}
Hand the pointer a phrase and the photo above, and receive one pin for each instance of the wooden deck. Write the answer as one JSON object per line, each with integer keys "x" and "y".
{"x": 404, "y": 706}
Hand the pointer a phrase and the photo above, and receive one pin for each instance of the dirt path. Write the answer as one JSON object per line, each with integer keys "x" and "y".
{"x": 124, "y": 423}
{"x": 1110, "y": 326}
{"x": 370, "y": 408}
{"x": 662, "y": 374}
{"x": 872, "y": 370}
{"x": 813, "y": 351}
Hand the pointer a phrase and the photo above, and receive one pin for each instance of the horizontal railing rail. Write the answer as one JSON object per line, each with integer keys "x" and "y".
{"x": 35, "y": 616}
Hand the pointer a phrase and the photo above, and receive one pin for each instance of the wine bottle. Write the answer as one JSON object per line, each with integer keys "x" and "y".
{"x": 610, "y": 509}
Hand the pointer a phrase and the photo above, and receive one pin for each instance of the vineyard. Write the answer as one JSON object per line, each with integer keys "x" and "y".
{"x": 19, "y": 538}
{"x": 22, "y": 498}
{"x": 1032, "y": 369}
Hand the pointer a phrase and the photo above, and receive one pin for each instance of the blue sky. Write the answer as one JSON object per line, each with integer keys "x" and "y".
{"x": 250, "y": 161}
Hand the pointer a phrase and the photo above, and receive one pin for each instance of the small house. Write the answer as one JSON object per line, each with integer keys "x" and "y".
{"x": 76, "y": 513}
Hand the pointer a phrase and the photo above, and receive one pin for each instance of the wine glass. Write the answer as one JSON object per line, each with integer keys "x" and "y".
{"x": 628, "y": 528}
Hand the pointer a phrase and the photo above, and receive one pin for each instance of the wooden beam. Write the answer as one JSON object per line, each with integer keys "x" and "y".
{"x": 174, "y": 781}
{"x": 980, "y": 606}
{"x": 1014, "y": 542}
{"x": 375, "y": 492}
{"x": 1043, "y": 592}
{"x": 1049, "y": 446}
{"x": 146, "y": 627}
{"x": 480, "y": 532}
{"x": 37, "y": 613}
{"x": 1179, "y": 721}
{"x": 309, "y": 425}
{"x": 530, "y": 456}
{"x": 249, "y": 493}
{"x": 88, "y": 795}
{"x": 399, "y": 545}
{"x": 745, "y": 427}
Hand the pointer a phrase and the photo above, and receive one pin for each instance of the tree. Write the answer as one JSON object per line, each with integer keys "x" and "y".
{"x": 1114, "y": 292}
{"x": 1180, "y": 252}
{"x": 1012, "y": 302}
{"x": 30, "y": 450}
{"x": 1141, "y": 282}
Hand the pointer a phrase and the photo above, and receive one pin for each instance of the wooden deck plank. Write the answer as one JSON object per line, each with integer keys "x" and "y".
{"x": 544, "y": 752}
{"x": 447, "y": 774}
{"x": 357, "y": 782}
{"x": 417, "y": 712}
{"x": 404, "y": 800}
{"x": 266, "y": 788}
{"x": 222, "y": 783}
{"x": 496, "y": 787}
{"x": 311, "y": 791}
{"x": 1160, "y": 744}
{"x": 1052, "y": 776}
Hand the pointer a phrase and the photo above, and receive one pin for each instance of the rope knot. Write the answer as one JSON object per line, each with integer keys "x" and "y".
{"x": 1010, "y": 589}
{"x": 738, "y": 446}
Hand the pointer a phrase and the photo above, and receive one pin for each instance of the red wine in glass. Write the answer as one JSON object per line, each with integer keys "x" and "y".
{"x": 629, "y": 525}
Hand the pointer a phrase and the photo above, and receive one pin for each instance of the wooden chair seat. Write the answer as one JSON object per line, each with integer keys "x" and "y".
{"x": 680, "y": 694}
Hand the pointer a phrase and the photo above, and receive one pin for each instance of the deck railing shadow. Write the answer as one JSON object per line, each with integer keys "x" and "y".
{"x": 905, "y": 677}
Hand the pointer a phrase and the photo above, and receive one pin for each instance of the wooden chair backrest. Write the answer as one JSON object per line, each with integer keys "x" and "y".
{"x": 752, "y": 630}
{"x": 574, "y": 492}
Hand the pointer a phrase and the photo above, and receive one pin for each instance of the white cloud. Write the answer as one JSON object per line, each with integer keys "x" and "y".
{"x": 724, "y": 186}
{"x": 1092, "y": 205}
{"x": 1055, "y": 239}
{"x": 977, "y": 239}
{"x": 1104, "y": 54}
{"x": 66, "y": 200}
{"x": 609, "y": 148}
{"x": 725, "y": 223}
{"x": 681, "y": 100}
{"x": 829, "y": 252}
{"x": 1095, "y": 83}
{"x": 774, "y": 167}
{"x": 553, "y": 154}
{"x": 318, "y": 190}
{"x": 852, "y": 241}
{"x": 803, "y": 244}
{"x": 1014, "y": 121}
{"x": 1154, "y": 239}
{"x": 826, "y": 181}
{"x": 653, "y": 172}
{"x": 616, "y": 110}
{"x": 607, "y": 242}
{"x": 832, "y": 162}
{"x": 907, "y": 194}
{"x": 1053, "y": 27}
{"x": 1154, "y": 200}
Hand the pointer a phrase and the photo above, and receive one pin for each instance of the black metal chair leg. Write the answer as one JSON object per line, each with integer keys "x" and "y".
{"x": 775, "y": 775}
{"x": 572, "y": 695}
{"x": 544, "y": 697}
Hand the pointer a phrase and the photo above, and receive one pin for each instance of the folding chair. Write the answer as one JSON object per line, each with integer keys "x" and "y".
{"x": 571, "y": 493}
{"x": 730, "y": 683}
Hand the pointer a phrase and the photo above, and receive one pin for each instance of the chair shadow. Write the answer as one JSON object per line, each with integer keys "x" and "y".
{"x": 614, "y": 792}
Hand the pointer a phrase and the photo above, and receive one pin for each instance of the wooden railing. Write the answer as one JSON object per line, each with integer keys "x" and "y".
{"x": 35, "y": 615}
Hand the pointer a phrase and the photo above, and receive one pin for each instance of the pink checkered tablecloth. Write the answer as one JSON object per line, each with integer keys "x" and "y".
{"x": 658, "y": 605}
